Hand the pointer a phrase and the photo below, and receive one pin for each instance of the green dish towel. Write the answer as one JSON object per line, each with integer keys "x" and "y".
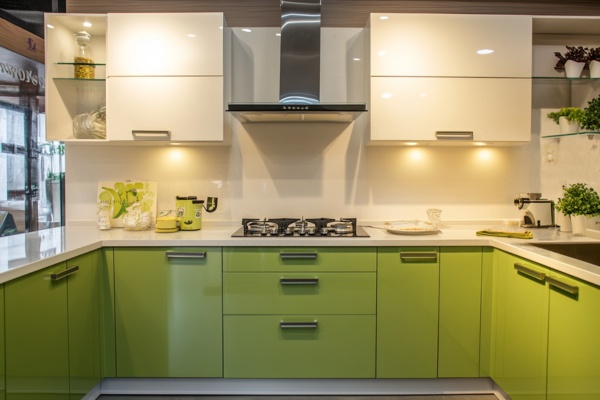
{"x": 508, "y": 233}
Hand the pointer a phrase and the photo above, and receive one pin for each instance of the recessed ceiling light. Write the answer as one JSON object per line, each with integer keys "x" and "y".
{"x": 383, "y": 17}
{"x": 191, "y": 35}
{"x": 485, "y": 51}
{"x": 356, "y": 59}
{"x": 246, "y": 30}
{"x": 50, "y": 26}
{"x": 87, "y": 24}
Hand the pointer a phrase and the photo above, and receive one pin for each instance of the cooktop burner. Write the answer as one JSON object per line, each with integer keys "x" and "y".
{"x": 300, "y": 227}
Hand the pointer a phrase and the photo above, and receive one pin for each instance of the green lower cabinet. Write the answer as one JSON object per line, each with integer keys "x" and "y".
{"x": 407, "y": 312}
{"x": 520, "y": 327}
{"x": 37, "y": 337}
{"x": 84, "y": 324}
{"x": 573, "y": 351}
{"x": 309, "y": 346}
{"x": 460, "y": 312}
{"x": 52, "y": 327}
{"x": 168, "y": 312}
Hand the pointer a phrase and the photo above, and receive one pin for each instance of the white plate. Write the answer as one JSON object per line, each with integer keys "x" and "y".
{"x": 411, "y": 228}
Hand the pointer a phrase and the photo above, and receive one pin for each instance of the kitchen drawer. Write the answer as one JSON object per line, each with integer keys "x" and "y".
{"x": 299, "y": 259}
{"x": 299, "y": 293}
{"x": 337, "y": 346}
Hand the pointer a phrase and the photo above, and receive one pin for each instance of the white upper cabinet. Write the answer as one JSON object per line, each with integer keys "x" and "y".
{"x": 450, "y": 45}
{"x": 450, "y": 79}
{"x": 146, "y": 109}
{"x": 450, "y": 110}
{"x": 171, "y": 44}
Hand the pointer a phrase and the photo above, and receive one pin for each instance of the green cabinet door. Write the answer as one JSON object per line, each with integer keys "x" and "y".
{"x": 573, "y": 351}
{"x": 37, "y": 337}
{"x": 407, "y": 312}
{"x": 307, "y": 346}
{"x": 460, "y": 312}
{"x": 519, "y": 345}
{"x": 84, "y": 324}
{"x": 168, "y": 312}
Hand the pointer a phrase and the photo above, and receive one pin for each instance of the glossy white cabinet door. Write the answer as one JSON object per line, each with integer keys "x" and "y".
{"x": 191, "y": 108}
{"x": 447, "y": 45}
{"x": 414, "y": 109}
{"x": 165, "y": 44}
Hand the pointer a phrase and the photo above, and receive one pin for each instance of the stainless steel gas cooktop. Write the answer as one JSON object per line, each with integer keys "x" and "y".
{"x": 300, "y": 227}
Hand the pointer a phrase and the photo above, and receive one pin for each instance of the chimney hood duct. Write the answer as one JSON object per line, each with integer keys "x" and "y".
{"x": 299, "y": 81}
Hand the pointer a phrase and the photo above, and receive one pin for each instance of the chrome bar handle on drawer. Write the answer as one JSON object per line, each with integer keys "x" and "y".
{"x": 539, "y": 276}
{"x": 183, "y": 254}
{"x": 295, "y": 325}
{"x": 454, "y": 135}
{"x": 299, "y": 256}
{"x": 63, "y": 274}
{"x": 411, "y": 256}
{"x": 299, "y": 281}
{"x": 562, "y": 285}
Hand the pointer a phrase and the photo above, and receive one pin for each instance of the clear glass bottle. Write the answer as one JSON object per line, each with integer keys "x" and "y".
{"x": 83, "y": 58}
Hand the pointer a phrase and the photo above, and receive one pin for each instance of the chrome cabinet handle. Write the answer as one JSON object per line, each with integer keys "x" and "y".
{"x": 412, "y": 256}
{"x": 299, "y": 281}
{"x": 562, "y": 285}
{"x": 296, "y": 325}
{"x": 63, "y": 274}
{"x": 454, "y": 135}
{"x": 298, "y": 256}
{"x": 151, "y": 135}
{"x": 183, "y": 254}
{"x": 540, "y": 276}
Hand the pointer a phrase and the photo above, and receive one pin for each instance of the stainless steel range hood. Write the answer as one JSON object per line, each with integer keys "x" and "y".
{"x": 300, "y": 77}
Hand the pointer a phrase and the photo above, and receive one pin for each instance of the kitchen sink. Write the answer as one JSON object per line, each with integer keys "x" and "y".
{"x": 588, "y": 252}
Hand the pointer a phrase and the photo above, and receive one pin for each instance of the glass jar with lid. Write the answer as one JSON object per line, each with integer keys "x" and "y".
{"x": 83, "y": 58}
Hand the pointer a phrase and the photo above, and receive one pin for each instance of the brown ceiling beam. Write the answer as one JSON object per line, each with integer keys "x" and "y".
{"x": 335, "y": 13}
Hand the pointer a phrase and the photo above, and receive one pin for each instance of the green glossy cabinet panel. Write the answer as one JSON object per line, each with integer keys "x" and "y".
{"x": 487, "y": 306}
{"x": 520, "y": 341}
{"x": 573, "y": 351}
{"x": 407, "y": 312}
{"x": 37, "y": 337}
{"x": 336, "y": 346}
{"x": 299, "y": 293}
{"x": 168, "y": 312}
{"x": 299, "y": 259}
{"x": 460, "y": 312}
{"x": 84, "y": 324}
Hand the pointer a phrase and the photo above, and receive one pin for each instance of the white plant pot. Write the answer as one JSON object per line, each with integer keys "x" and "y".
{"x": 594, "y": 69}
{"x": 567, "y": 126}
{"x": 564, "y": 221}
{"x": 579, "y": 224}
{"x": 573, "y": 68}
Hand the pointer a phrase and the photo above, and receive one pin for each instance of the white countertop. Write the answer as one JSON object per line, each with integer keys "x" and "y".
{"x": 25, "y": 253}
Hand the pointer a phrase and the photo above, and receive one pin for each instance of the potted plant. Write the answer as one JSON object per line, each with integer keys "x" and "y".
{"x": 579, "y": 201}
{"x": 590, "y": 120}
{"x": 573, "y": 60}
{"x": 568, "y": 118}
{"x": 593, "y": 57}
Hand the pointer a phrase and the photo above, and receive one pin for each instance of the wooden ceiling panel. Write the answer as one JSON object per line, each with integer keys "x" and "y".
{"x": 335, "y": 13}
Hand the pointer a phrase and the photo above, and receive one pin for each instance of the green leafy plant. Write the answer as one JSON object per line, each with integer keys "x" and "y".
{"x": 590, "y": 120}
{"x": 572, "y": 114}
{"x": 579, "y": 199}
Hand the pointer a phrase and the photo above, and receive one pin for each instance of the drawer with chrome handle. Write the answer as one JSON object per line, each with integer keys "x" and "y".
{"x": 419, "y": 256}
{"x": 63, "y": 274}
{"x": 186, "y": 255}
{"x": 538, "y": 276}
